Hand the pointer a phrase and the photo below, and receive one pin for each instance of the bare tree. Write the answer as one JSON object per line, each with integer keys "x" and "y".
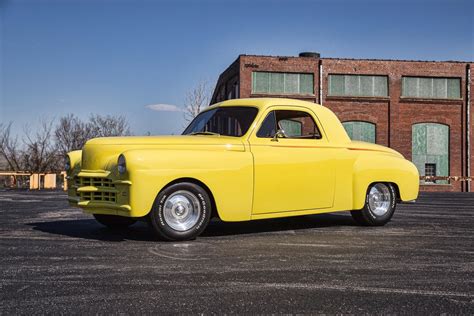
{"x": 196, "y": 100}
{"x": 9, "y": 148}
{"x": 40, "y": 154}
{"x": 71, "y": 133}
{"x": 43, "y": 150}
{"x": 104, "y": 126}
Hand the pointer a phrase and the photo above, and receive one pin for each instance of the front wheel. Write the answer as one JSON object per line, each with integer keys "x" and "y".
{"x": 180, "y": 212}
{"x": 380, "y": 203}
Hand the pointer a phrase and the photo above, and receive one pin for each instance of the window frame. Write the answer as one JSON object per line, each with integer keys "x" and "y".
{"x": 269, "y": 92}
{"x": 430, "y": 166}
{"x": 432, "y": 97}
{"x": 423, "y": 182}
{"x": 329, "y": 80}
{"x": 273, "y": 111}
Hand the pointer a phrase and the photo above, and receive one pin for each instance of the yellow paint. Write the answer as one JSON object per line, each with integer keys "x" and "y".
{"x": 249, "y": 177}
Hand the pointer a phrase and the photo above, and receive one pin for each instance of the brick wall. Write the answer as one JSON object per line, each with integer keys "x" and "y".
{"x": 248, "y": 64}
{"x": 471, "y": 105}
{"x": 393, "y": 115}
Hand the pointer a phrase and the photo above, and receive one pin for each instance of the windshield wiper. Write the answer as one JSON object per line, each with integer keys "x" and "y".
{"x": 204, "y": 133}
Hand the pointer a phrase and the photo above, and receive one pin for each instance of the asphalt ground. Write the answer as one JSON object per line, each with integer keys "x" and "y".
{"x": 54, "y": 259}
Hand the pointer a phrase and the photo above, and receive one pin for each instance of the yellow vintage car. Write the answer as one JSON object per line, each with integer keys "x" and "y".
{"x": 239, "y": 160}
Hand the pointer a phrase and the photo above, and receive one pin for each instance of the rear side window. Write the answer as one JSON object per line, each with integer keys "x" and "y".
{"x": 294, "y": 124}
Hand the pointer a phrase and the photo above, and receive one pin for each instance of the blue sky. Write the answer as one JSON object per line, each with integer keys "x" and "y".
{"x": 117, "y": 57}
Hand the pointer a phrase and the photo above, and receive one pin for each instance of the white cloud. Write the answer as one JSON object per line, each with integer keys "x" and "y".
{"x": 164, "y": 107}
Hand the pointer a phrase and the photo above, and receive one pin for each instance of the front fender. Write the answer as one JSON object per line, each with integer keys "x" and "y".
{"x": 384, "y": 168}
{"x": 227, "y": 174}
{"x": 75, "y": 157}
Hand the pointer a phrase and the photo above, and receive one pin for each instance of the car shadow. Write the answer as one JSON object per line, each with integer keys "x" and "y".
{"x": 90, "y": 229}
{"x": 219, "y": 228}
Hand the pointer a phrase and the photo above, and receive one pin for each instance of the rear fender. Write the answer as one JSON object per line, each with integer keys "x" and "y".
{"x": 384, "y": 168}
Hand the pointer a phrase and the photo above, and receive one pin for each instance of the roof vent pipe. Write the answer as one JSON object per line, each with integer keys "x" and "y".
{"x": 310, "y": 54}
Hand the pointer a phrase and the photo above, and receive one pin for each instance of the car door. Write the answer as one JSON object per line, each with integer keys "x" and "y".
{"x": 296, "y": 170}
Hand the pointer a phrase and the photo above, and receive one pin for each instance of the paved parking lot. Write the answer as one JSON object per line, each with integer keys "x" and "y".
{"x": 54, "y": 259}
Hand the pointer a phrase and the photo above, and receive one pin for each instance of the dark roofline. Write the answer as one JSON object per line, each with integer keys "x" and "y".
{"x": 367, "y": 59}
{"x": 270, "y": 56}
{"x": 403, "y": 60}
{"x": 230, "y": 66}
{"x": 237, "y": 60}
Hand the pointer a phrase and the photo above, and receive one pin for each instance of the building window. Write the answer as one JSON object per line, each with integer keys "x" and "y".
{"x": 282, "y": 83}
{"x": 430, "y": 171}
{"x": 431, "y": 88}
{"x": 358, "y": 130}
{"x": 430, "y": 150}
{"x": 358, "y": 86}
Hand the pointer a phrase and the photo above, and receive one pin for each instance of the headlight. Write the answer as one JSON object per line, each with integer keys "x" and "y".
{"x": 121, "y": 165}
{"x": 67, "y": 163}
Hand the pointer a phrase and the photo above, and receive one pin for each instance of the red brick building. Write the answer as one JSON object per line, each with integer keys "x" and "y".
{"x": 423, "y": 109}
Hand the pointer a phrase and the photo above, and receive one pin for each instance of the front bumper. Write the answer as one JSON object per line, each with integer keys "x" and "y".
{"x": 98, "y": 192}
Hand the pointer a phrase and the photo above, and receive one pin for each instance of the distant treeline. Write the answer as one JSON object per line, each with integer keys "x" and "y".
{"x": 43, "y": 149}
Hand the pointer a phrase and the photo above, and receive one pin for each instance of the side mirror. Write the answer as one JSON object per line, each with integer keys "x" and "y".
{"x": 279, "y": 134}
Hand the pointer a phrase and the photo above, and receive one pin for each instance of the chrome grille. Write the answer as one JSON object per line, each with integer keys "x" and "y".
{"x": 98, "y": 196}
{"x": 105, "y": 189}
{"x": 94, "y": 182}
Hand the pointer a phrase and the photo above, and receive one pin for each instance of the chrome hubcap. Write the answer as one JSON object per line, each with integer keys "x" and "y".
{"x": 379, "y": 199}
{"x": 181, "y": 210}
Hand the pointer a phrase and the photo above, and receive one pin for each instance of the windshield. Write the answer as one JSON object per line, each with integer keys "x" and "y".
{"x": 226, "y": 120}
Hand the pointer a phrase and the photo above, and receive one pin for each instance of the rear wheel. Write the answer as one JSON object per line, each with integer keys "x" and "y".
{"x": 180, "y": 212}
{"x": 380, "y": 203}
{"x": 114, "y": 221}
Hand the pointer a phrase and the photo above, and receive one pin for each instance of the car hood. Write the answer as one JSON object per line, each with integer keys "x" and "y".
{"x": 102, "y": 153}
{"x": 172, "y": 140}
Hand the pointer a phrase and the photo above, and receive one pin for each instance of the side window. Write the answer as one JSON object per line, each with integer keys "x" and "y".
{"x": 268, "y": 127}
{"x": 297, "y": 124}
{"x": 292, "y": 128}
{"x": 294, "y": 124}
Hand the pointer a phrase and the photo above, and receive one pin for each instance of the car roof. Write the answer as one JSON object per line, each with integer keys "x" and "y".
{"x": 331, "y": 123}
{"x": 263, "y": 103}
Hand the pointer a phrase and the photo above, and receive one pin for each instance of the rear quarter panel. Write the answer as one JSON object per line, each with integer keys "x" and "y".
{"x": 370, "y": 167}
